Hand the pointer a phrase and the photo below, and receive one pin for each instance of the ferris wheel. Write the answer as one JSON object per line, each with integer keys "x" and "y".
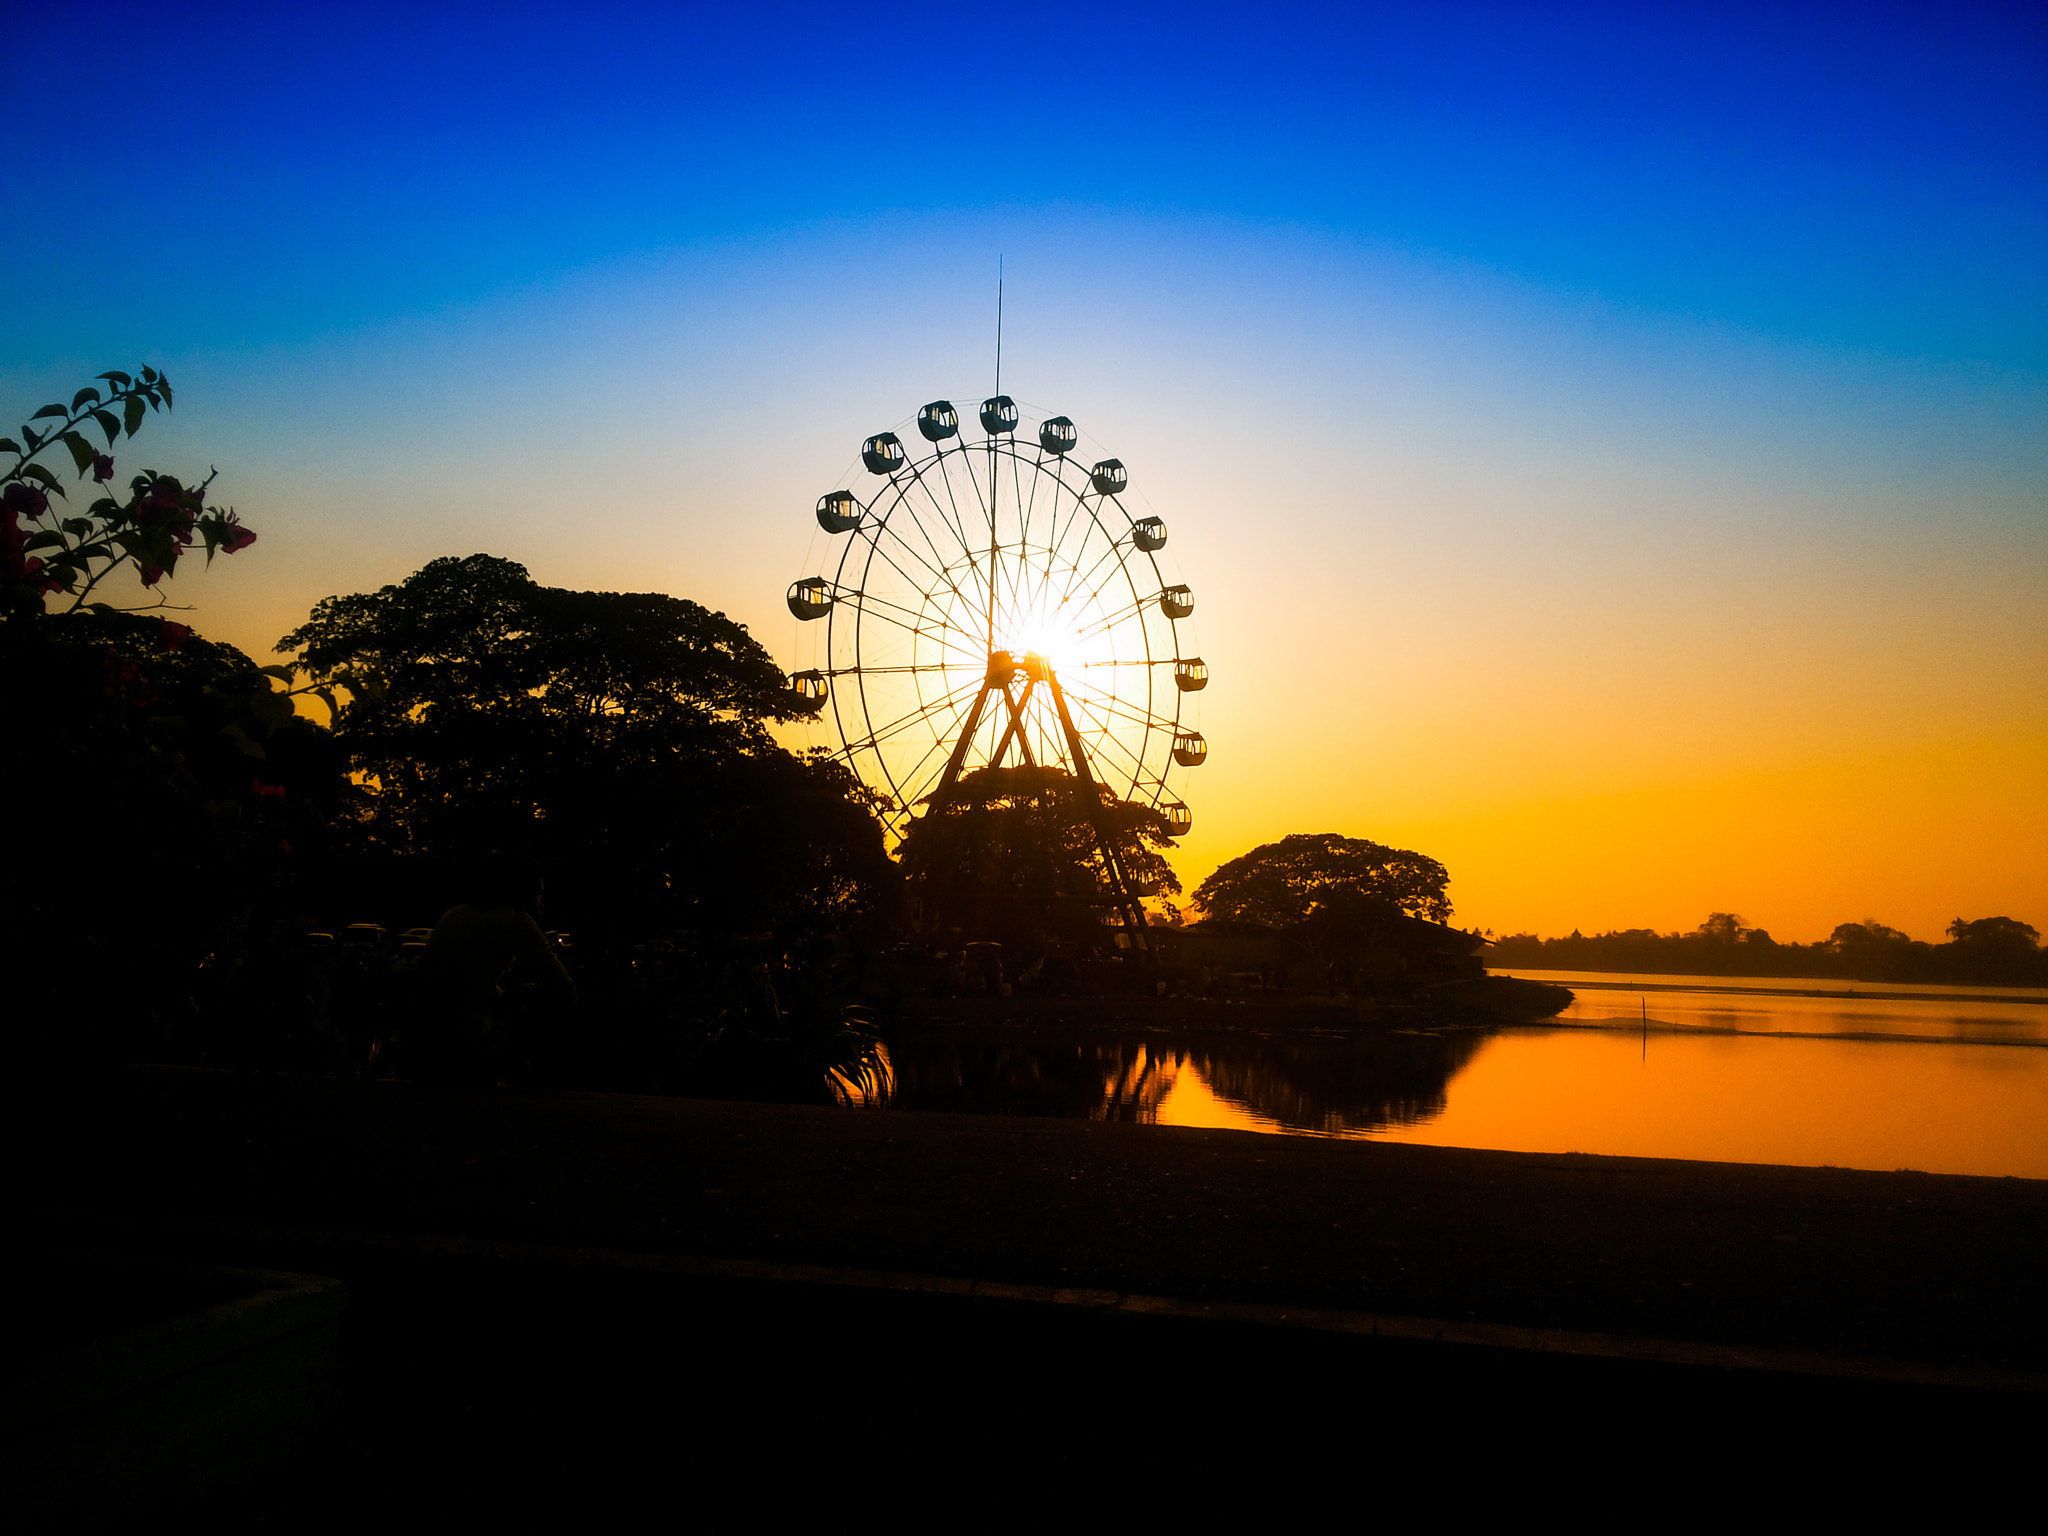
{"x": 991, "y": 600}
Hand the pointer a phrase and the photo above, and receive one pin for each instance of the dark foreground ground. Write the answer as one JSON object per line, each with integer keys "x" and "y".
{"x": 758, "y": 1314}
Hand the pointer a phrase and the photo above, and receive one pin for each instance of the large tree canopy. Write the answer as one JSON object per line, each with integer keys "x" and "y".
{"x": 619, "y": 737}
{"x": 459, "y": 633}
{"x": 1281, "y": 883}
{"x": 1012, "y": 854}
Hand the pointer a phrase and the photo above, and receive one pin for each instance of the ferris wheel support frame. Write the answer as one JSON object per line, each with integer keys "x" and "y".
{"x": 1001, "y": 678}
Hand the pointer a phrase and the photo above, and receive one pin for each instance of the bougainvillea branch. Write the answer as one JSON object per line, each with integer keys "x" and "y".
{"x": 46, "y": 553}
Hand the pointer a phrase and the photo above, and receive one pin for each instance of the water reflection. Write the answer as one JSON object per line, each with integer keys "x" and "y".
{"x": 1777, "y": 1005}
{"x": 1326, "y": 1084}
{"x": 1951, "y": 1080}
{"x": 1005, "y": 1072}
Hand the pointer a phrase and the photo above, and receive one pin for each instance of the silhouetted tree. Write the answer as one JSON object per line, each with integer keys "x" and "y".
{"x": 1989, "y": 951}
{"x": 1012, "y": 855}
{"x": 1996, "y": 949}
{"x": 1996, "y": 933}
{"x": 619, "y": 737}
{"x": 1869, "y": 934}
{"x": 1724, "y": 928}
{"x": 1282, "y": 883}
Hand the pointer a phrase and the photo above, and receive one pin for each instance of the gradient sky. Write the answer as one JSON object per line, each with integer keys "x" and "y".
{"x": 1609, "y": 444}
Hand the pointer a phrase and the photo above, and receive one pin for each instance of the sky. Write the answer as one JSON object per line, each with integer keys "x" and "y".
{"x": 1609, "y": 444}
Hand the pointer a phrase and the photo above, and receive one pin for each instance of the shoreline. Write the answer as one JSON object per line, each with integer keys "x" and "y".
{"x": 1956, "y": 994}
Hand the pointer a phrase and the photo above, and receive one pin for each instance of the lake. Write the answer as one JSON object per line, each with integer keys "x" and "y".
{"x": 1733, "y": 1069}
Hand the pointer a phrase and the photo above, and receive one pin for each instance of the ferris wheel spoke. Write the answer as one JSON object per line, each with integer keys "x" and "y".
{"x": 886, "y": 611}
{"x": 1116, "y": 765}
{"x": 1028, "y": 505}
{"x": 1104, "y": 709}
{"x": 1058, "y": 566}
{"x": 923, "y": 775}
{"x": 1017, "y": 490}
{"x": 1056, "y": 539}
{"x": 953, "y": 654}
{"x": 1062, "y": 488}
{"x": 936, "y": 666}
{"x": 948, "y": 517}
{"x": 903, "y": 722}
{"x": 1022, "y": 599}
{"x": 944, "y": 578}
{"x": 1111, "y": 619}
{"x": 1101, "y": 714}
{"x": 914, "y": 726}
{"x": 1079, "y": 578}
{"x": 982, "y": 509}
{"x": 936, "y": 565}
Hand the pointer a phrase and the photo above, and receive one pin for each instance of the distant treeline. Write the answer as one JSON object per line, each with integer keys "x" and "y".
{"x": 1987, "y": 951}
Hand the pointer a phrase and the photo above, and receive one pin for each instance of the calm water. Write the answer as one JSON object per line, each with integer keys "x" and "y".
{"x": 1943, "y": 1079}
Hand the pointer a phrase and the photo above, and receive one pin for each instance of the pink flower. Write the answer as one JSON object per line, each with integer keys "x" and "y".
{"x": 24, "y": 499}
{"x": 102, "y": 467}
{"x": 233, "y": 535}
{"x": 16, "y": 564}
{"x": 31, "y": 568}
{"x": 151, "y": 573}
{"x": 169, "y": 503}
{"x": 170, "y": 636}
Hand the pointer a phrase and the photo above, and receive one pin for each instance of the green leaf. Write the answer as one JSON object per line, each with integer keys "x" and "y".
{"x": 101, "y": 608}
{"x": 134, "y": 414}
{"x": 326, "y": 696}
{"x": 109, "y": 424}
{"x": 242, "y": 739}
{"x": 49, "y": 410}
{"x": 46, "y": 540}
{"x": 10, "y": 445}
{"x": 283, "y": 673}
{"x": 164, "y": 384}
{"x": 272, "y": 709}
{"x": 148, "y": 374}
{"x": 121, "y": 379}
{"x": 77, "y": 527}
{"x": 81, "y": 451}
{"x": 37, "y": 472}
{"x": 85, "y": 394}
{"x": 35, "y": 438}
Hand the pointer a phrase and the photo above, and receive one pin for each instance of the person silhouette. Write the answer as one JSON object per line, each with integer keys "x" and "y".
{"x": 490, "y": 939}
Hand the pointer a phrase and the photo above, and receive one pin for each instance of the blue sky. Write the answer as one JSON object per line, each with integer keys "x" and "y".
{"x": 1611, "y": 442}
{"x": 1865, "y": 174}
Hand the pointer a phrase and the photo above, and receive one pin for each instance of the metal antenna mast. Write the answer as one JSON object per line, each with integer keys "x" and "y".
{"x": 992, "y": 463}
